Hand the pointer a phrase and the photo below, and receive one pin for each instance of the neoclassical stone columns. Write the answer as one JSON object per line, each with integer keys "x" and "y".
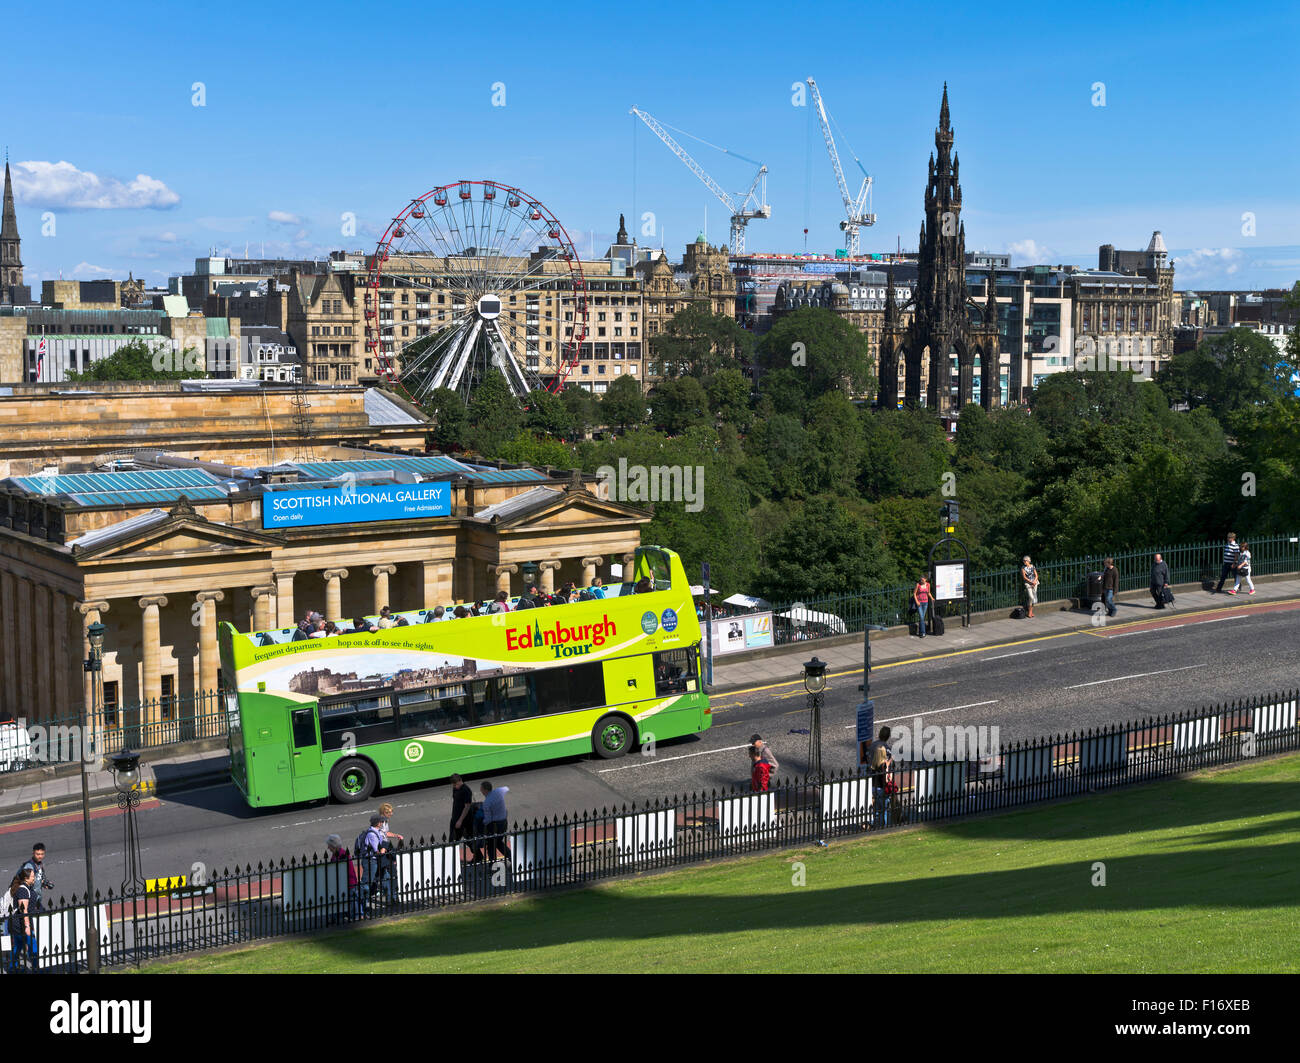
{"x": 548, "y": 570}
{"x": 284, "y": 600}
{"x": 381, "y": 574}
{"x": 209, "y": 662}
{"x": 263, "y": 599}
{"x": 503, "y": 574}
{"x": 334, "y": 578}
{"x": 9, "y": 647}
{"x": 151, "y": 653}
{"x": 437, "y": 583}
{"x": 589, "y": 566}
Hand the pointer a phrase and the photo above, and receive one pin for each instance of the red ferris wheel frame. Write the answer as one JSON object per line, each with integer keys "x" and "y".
{"x": 440, "y": 196}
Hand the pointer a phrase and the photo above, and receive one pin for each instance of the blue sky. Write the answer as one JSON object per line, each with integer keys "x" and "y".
{"x": 315, "y": 110}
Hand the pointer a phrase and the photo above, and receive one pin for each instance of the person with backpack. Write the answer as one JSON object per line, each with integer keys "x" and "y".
{"x": 334, "y": 846}
{"x": 22, "y": 934}
{"x": 1243, "y": 570}
{"x": 760, "y": 772}
{"x": 372, "y": 848}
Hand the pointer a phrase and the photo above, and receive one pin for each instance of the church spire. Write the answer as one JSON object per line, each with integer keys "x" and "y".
{"x": 621, "y": 238}
{"x": 943, "y": 109}
{"x": 9, "y": 222}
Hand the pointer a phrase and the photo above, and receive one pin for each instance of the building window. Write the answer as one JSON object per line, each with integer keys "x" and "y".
{"x": 111, "y": 703}
{"x": 345, "y": 372}
{"x": 167, "y": 703}
{"x": 320, "y": 372}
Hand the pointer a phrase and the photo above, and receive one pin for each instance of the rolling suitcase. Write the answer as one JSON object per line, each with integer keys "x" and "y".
{"x": 936, "y": 624}
{"x": 1167, "y": 596}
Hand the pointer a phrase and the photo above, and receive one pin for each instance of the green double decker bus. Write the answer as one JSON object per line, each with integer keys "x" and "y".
{"x": 342, "y": 716}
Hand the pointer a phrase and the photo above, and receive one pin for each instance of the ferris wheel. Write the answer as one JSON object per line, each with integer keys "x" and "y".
{"x": 470, "y": 277}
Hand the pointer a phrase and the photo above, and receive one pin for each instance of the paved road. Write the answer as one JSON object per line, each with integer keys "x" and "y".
{"x": 1026, "y": 689}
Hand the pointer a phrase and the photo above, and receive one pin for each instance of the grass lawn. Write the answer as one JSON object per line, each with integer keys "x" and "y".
{"x": 1201, "y": 874}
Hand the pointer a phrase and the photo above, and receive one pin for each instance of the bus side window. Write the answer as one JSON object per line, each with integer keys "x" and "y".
{"x": 674, "y": 672}
{"x": 304, "y": 728}
{"x": 515, "y": 698}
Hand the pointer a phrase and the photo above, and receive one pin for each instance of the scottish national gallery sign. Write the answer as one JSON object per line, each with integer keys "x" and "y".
{"x": 355, "y": 504}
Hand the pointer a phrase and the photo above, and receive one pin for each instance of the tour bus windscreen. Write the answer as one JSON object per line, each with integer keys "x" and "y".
{"x": 348, "y": 714}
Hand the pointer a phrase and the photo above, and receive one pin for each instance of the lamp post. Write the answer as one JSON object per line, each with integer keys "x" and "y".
{"x": 95, "y": 666}
{"x": 126, "y": 777}
{"x": 529, "y": 571}
{"x": 814, "y": 682}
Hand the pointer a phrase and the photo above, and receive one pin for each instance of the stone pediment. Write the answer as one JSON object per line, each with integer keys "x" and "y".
{"x": 175, "y": 534}
{"x": 569, "y": 509}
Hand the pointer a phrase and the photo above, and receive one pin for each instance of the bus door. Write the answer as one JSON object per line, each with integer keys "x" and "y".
{"x": 305, "y": 754}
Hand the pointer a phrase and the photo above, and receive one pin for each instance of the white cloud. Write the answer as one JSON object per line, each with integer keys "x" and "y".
{"x": 60, "y": 184}
{"x": 283, "y": 217}
{"x": 1028, "y": 253}
{"x": 1207, "y": 262}
{"x": 168, "y": 237}
{"x": 88, "y": 271}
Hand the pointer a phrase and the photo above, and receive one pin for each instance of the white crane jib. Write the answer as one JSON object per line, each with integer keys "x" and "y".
{"x": 751, "y": 206}
{"x": 857, "y": 210}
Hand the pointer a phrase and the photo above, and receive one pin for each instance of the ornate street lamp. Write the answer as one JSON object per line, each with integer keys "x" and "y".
{"x": 94, "y": 664}
{"x": 529, "y": 571}
{"x": 814, "y": 682}
{"x": 126, "y": 777}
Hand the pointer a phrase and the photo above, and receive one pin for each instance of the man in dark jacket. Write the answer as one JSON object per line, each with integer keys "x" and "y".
{"x": 1110, "y": 586}
{"x": 1159, "y": 580}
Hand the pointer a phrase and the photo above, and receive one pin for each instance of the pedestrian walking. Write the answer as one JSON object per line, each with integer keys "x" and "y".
{"x": 1230, "y": 553}
{"x": 462, "y": 818}
{"x": 372, "y": 851}
{"x": 22, "y": 936}
{"x": 1029, "y": 577}
{"x": 386, "y": 810}
{"x": 879, "y": 763}
{"x": 1109, "y": 585}
{"x": 1243, "y": 571}
{"x": 921, "y": 599}
{"x": 760, "y": 771}
{"x": 336, "y": 850}
{"x": 1159, "y": 580}
{"x": 40, "y": 874}
{"x": 494, "y": 819}
{"x": 765, "y": 751}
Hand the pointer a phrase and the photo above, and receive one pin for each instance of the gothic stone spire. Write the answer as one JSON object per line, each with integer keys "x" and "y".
{"x": 9, "y": 222}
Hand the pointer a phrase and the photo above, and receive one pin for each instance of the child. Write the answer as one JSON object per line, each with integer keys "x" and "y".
{"x": 1243, "y": 571}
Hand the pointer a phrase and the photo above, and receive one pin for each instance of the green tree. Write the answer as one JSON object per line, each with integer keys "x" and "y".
{"x": 824, "y": 549}
{"x": 1228, "y": 374}
{"x": 623, "y": 406}
{"x": 494, "y": 415}
{"x": 729, "y": 394}
{"x": 450, "y": 419}
{"x": 139, "y": 359}
{"x": 529, "y": 448}
{"x": 546, "y": 414}
{"x": 584, "y": 410}
{"x": 676, "y": 405}
{"x": 698, "y": 343}
{"x": 827, "y": 352}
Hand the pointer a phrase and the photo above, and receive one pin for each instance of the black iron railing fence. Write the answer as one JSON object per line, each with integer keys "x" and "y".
{"x": 309, "y": 894}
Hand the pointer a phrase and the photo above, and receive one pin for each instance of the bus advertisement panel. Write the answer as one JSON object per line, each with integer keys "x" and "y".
{"x": 343, "y": 715}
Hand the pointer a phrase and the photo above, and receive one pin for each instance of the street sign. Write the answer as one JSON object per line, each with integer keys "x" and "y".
{"x": 866, "y": 720}
{"x": 704, "y": 569}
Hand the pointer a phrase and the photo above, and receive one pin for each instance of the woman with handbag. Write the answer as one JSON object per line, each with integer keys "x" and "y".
{"x": 880, "y": 762}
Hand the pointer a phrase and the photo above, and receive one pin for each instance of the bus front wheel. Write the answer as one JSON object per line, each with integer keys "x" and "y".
{"x": 612, "y": 736}
{"x": 352, "y": 780}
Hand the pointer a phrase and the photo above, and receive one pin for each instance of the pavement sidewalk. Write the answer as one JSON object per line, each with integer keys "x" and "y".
{"x": 187, "y": 769}
{"x": 987, "y": 629}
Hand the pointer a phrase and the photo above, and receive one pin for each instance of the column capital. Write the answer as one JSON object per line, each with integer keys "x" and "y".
{"x": 284, "y": 577}
{"x": 157, "y": 599}
{"x": 262, "y": 592}
{"x": 210, "y": 596}
{"x": 383, "y": 570}
{"x": 336, "y": 573}
{"x": 593, "y": 560}
{"x": 548, "y": 565}
{"x": 497, "y": 570}
{"x": 92, "y": 607}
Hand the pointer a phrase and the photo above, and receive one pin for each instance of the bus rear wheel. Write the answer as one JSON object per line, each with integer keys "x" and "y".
{"x": 612, "y": 736}
{"x": 352, "y": 780}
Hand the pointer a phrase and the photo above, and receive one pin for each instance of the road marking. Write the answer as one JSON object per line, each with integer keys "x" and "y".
{"x": 999, "y": 657}
{"x": 1179, "y": 627}
{"x": 665, "y": 760}
{"x": 1136, "y": 675}
{"x": 928, "y": 712}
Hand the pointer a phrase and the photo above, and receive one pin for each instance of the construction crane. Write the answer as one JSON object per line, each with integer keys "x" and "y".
{"x": 750, "y": 207}
{"x": 855, "y": 216}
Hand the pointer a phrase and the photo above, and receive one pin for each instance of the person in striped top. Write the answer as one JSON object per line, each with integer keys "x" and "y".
{"x": 1230, "y": 552}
